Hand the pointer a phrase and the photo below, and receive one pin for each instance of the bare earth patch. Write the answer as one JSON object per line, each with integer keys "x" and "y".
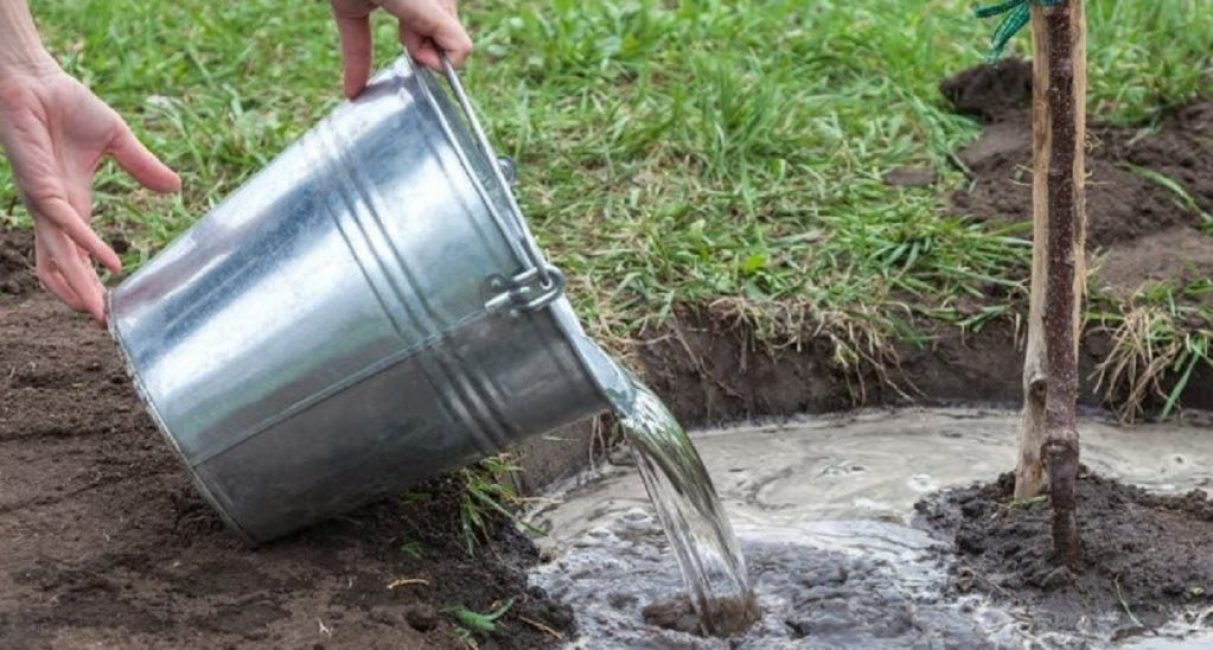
{"x": 1176, "y": 254}
{"x": 1123, "y": 205}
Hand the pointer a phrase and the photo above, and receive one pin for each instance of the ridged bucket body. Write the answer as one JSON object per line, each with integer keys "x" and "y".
{"x": 359, "y": 316}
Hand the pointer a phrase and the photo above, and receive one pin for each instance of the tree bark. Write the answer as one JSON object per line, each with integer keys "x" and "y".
{"x": 1050, "y": 432}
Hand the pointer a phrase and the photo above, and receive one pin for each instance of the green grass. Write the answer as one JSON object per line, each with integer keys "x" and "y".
{"x": 489, "y": 500}
{"x": 671, "y": 153}
{"x": 470, "y": 623}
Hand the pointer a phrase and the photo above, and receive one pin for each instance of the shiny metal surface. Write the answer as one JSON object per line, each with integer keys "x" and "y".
{"x": 364, "y": 313}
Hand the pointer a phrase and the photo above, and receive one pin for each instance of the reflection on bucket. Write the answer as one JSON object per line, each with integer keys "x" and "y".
{"x": 364, "y": 313}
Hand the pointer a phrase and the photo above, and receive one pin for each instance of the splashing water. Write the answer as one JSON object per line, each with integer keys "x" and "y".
{"x": 691, "y": 514}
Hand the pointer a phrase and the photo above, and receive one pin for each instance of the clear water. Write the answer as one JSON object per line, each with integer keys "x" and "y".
{"x": 690, "y": 513}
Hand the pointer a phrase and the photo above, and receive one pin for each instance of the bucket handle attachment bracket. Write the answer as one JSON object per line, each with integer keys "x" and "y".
{"x": 549, "y": 279}
{"x": 524, "y": 292}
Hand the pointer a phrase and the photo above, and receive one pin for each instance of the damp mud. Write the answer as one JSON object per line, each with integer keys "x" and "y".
{"x": 825, "y": 512}
{"x": 1146, "y": 555}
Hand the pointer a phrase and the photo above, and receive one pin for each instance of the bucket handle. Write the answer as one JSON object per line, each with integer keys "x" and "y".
{"x": 550, "y": 282}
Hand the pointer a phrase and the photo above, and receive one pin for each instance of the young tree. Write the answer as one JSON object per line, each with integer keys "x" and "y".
{"x": 1049, "y": 435}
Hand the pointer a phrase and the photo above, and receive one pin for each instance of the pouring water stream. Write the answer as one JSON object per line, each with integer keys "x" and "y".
{"x": 690, "y": 512}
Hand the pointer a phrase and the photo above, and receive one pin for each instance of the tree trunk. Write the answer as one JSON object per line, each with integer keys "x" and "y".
{"x": 1050, "y": 432}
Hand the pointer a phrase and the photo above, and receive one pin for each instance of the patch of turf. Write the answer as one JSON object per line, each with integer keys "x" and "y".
{"x": 671, "y": 152}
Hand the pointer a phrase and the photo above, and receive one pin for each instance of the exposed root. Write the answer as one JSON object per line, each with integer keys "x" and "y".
{"x": 1152, "y": 357}
{"x": 542, "y": 627}
{"x": 859, "y": 343}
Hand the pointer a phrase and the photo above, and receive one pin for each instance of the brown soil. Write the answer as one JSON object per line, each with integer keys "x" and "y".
{"x": 1146, "y": 556}
{"x": 711, "y": 372}
{"x": 1122, "y": 206}
{"x": 16, "y": 265}
{"x": 1145, "y": 553}
{"x": 106, "y": 544}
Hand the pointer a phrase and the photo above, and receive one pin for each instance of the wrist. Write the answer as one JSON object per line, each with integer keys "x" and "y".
{"x": 21, "y": 51}
{"x": 29, "y": 63}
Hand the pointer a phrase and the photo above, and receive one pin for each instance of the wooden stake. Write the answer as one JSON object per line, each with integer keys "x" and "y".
{"x": 1050, "y": 432}
{"x": 1029, "y": 475}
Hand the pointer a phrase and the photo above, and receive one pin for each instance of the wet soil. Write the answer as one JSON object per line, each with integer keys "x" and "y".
{"x": 823, "y": 506}
{"x": 1147, "y": 556}
{"x": 710, "y": 371}
{"x": 732, "y": 616}
{"x": 106, "y": 543}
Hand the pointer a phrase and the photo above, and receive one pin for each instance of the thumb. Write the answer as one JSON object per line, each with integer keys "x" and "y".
{"x": 142, "y": 164}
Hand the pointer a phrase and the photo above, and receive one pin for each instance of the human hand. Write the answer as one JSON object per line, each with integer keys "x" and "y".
{"x": 427, "y": 27}
{"x": 55, "y": 132}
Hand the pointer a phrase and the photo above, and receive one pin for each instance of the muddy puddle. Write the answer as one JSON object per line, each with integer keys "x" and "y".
{"x": 823, "y": 507}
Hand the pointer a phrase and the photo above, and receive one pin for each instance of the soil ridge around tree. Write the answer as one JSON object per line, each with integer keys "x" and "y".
{"x": 1147, "y": 560}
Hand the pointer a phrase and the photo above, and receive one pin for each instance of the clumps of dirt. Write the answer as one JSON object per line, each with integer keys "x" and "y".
{"x": 1129, "y": 170}
{"x": 992, "y": 91}
{"x": 107, "y": 544}
{"x": 16, "y": 264}
{"x": 729, "y": 616}
{"x": 1147, "y": 556}
{"x": 1179, "y": 146}
{"x": 1175, "y": 255}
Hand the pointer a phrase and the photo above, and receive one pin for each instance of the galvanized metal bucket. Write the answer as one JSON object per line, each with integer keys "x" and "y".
{"x": 364, "y": 313}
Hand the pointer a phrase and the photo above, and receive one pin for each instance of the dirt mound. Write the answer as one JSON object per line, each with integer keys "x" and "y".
{"x": 1175, "y": 254}
{"x": 106, "y": 543}
{"x": 1147, "y": 555}
{"x": 16, "y": 264}
{"x": 1130, "y": 168}
{"x": 991, "y": 91}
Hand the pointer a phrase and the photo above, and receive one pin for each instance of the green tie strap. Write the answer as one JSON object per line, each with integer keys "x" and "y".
{"x": 1018, "y": 13}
